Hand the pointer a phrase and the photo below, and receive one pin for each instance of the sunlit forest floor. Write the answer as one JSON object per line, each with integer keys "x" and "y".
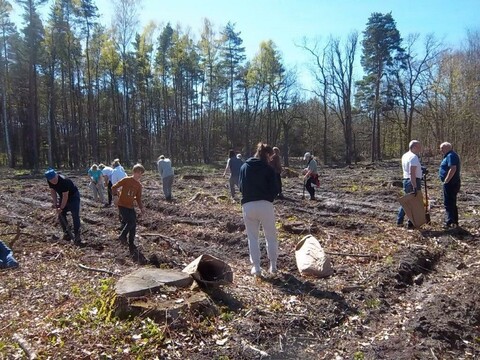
{"x": 395, "y": 293}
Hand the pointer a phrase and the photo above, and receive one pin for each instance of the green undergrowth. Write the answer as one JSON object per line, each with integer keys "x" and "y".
{"x": 95, "y": 322}
{"x": 198, "y": 169}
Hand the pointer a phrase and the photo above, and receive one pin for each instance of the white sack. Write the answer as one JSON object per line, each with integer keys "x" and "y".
{"x": 311, "y": 258}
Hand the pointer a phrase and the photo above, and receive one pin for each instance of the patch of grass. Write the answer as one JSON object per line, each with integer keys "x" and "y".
{"x": 151, "y": 330}
{"x": 21, "y": 172}
{"x": 76, "y": 291}
{"x": 206, "y": 326}
{"x": 355, "y": 188}
{"x": 358, "y": 355}
{"x": 150, "y": 337}
{"x": 469, "y": 215}
{"x": 56, "y": 341}
{"x": 100, "y": 306}
{"x": 63, "y": 322}
{"x": 388, "y": 260}
{"x": 227, "y": 315}
{"x": 201, "y": 169}
{"x": 276, "y": 306}
{"x": 372, "y": 303}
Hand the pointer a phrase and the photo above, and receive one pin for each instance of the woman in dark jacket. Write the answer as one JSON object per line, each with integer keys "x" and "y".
{"x": 259, "y": 187}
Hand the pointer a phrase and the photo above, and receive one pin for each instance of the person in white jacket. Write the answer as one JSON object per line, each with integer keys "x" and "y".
{"x": 166, "y": 174}
{"x": 118, "y": 172}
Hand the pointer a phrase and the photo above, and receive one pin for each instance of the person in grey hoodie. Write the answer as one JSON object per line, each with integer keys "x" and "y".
{"x": 165, "y": 170}
{"x": 259, "y": 188}
{"x": 233, "y": 164}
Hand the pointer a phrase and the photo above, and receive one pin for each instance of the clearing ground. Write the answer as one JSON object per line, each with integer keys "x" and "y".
{"x": 395, "y": 293}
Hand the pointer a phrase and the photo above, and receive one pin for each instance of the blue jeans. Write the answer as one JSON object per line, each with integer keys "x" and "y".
{"x": 450, "y": 192}
{"x": 407, "y": 189}
{"x": 73, "y": 206}
{"x": 6, "y": 257}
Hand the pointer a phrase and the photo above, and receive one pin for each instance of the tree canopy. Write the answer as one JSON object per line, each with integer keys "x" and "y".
{"x": 76, "y": 92}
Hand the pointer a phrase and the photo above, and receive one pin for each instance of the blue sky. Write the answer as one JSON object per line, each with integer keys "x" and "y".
{"x": 287, "y": 22}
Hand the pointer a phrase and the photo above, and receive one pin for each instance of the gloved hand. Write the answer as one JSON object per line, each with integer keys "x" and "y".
{"x": 414, "y": 191}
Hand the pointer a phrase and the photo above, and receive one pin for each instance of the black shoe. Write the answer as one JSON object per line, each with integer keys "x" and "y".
{"x": 77, "y": 241}
{"x": 66, "y": 237}
{"x": 123, "y": 240}
{"x": 132, "y": 248}
{"x": 450, "y": 225}
{"x": 410, "y": 226}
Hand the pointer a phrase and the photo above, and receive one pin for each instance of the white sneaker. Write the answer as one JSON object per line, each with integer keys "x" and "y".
{"x": 273, "y": 269}
{"x": 255, "y": 271}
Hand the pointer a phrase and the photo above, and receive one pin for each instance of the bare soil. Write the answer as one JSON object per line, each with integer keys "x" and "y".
{"x": 395, "y": 293}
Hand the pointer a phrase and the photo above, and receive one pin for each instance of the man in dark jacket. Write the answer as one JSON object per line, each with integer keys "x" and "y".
{"x": 65, "y": 198}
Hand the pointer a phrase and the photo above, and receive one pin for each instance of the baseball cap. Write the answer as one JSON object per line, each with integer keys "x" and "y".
{"x": 307, "y": 156}
{"x": 50, "y": 174}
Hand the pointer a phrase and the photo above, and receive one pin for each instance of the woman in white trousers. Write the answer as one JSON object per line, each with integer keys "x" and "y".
{"x": 259, "y": 187}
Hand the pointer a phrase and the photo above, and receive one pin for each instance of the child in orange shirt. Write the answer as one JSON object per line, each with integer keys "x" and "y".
{"x": 131, "y": 190}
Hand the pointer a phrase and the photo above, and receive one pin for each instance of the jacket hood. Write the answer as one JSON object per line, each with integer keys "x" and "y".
{"x": 255, "y": 162}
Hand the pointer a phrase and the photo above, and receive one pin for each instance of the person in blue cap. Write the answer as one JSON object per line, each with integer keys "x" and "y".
{"x": 65, "y": 198}
{"x": 6, "y": 257}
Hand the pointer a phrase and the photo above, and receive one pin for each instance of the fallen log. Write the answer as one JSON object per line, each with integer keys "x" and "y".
{"x": 25, "y": 346}
{"x": 354, "y": 255}
{"x": 84, "y": 267}
{"x": 169, "y": 239}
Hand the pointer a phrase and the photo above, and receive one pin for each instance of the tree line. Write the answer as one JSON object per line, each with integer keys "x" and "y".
{"x": 74, "y": 91}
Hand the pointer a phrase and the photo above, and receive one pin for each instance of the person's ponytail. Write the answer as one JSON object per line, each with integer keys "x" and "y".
{"x": 263, "y": 151}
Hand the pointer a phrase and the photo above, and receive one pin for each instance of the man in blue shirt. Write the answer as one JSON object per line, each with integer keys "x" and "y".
{"x": 449, "y": 174}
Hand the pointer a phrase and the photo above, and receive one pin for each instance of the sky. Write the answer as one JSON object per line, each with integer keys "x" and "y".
{"x": 288, "y": 22}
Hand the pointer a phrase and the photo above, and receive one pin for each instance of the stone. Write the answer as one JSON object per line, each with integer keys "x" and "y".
{"x": 149, "y": 280}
